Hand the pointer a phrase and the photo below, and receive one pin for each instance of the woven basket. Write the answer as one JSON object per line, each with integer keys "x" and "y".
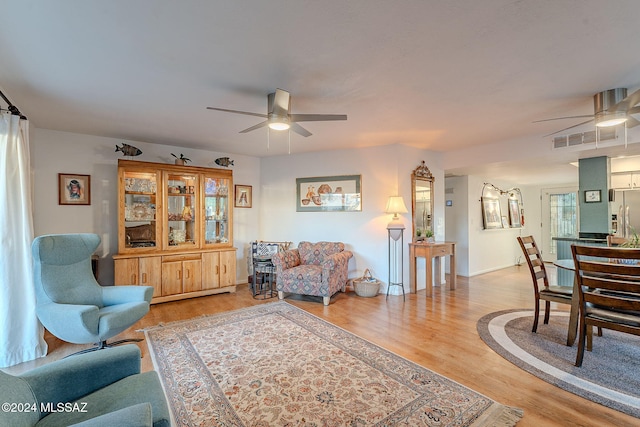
{"x": 366, "y": 286}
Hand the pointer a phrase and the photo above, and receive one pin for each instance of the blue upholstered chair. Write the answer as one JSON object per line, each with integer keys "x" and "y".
{"x": 70, "y": 303}
{"x": 103, "y": 388}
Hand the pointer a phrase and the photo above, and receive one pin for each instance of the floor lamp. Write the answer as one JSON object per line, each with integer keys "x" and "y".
{"x": 395, "y": 231}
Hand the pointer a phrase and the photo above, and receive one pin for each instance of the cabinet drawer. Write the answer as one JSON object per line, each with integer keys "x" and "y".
{"x": 182, "y": 257}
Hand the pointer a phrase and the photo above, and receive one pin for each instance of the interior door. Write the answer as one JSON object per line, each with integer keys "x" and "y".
{"x": 559, "y": 218}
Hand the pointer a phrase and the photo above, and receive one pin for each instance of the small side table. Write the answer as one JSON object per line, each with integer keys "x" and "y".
{"x": 263, "y": 281}
{"x": 432, "y": 251}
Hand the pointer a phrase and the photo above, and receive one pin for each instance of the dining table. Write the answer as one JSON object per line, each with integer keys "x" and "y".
{"x": 568, "y": 264}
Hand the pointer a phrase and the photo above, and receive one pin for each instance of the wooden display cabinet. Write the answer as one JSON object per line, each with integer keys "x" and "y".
{"x": 175, "y": 229}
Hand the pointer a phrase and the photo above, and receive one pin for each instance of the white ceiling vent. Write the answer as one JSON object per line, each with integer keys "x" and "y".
{"x": 581, "y": 138}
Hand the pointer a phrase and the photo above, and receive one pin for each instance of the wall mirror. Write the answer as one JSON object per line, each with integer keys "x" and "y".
{"x": 422, "y": 202}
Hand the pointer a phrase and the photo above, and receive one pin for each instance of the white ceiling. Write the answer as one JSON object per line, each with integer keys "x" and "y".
{"x": 431, "y": 74}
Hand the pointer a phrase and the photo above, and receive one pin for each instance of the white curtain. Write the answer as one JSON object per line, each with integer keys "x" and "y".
{"x": 21, "y": 334}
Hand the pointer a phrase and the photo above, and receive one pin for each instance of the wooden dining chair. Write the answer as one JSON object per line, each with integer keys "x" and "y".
{"x": 541, "y": 288}
{"x": 609, "y": 291}
{"x": 615, "y": 240}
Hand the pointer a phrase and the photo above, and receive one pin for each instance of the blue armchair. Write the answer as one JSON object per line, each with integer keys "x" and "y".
{"x": 103, "y": 388}
{"x": 70, "y": 303}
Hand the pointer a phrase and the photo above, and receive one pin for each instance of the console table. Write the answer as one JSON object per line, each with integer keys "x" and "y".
{"x": 431, "y": 251}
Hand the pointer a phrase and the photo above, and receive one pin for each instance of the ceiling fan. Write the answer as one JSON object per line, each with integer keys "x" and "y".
{"x": 611, "y": 107}
{"x": 279, "y": 116}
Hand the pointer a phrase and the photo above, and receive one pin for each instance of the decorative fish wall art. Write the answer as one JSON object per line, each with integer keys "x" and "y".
{"x": 224, "y": 161}
{"x": 128, "y": 150}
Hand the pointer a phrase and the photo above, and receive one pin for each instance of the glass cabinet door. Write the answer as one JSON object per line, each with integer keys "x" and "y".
{"x": 182, "y": 211}
{"x": 216, "y": 207}
{"x": 140, "y": 192}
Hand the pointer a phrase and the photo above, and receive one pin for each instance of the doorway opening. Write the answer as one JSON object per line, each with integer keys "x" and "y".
{"x": 559, "y": 218}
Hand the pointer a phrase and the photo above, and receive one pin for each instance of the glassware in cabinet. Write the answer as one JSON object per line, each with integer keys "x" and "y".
{"x": 138, "y": 209}
{"x": 182, "y": 206}
{"x": 216, "y": 205}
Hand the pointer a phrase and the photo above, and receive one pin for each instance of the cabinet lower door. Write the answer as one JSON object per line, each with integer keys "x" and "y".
{"x": 191, "y": 275}
{"x": 210, "y": 270}
{"x": 150, "y": 273}
{"x": 227, "y": 268}
{"x": 171, "y": 278}
{"x": 126, "y": 272}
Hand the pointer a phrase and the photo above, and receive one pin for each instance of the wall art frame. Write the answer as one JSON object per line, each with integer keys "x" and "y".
{"x": 74, "y": 189}
{"x": 243, "y": 196}
{"x": 514, "y": 213}
{"x": 592, "y": 196}
{"x": 491, "y": 213}
{"x": 340, "y": 193}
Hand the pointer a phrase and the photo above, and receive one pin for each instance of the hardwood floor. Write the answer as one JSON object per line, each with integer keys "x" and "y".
{"x": 438, "y": 333}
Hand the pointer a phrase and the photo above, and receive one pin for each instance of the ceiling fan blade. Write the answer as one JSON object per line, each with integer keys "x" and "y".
{"x": 246, "y": 113}
{"x": 570, "y": 127}
{"x": 634, "y": 110}
{"x": 631, "y": 122}
{"x": 316, "y": 117}
{"x": 300, "y": 130}
{"x": 281, "y": 103}
{"x": 628, "y": 103}
{"x": 567, "y": 117}
{"x": 258, "y": 126}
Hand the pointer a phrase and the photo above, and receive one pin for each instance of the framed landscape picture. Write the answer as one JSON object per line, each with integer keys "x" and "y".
{"x": 74, "y": 189}
{"x": 329, "y": 193}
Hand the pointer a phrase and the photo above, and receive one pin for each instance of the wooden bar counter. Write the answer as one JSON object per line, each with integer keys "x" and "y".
{"x": 431, "y": 251}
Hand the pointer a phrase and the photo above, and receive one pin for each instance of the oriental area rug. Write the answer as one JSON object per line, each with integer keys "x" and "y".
{"x": 609, "y": 375}
{"x": 277, "y": 365}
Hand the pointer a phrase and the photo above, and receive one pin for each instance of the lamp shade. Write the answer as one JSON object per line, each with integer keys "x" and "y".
{"x": 395, "y": 205}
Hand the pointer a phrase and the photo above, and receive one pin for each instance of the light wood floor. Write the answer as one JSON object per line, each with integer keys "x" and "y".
{"x": 438, "y": 333}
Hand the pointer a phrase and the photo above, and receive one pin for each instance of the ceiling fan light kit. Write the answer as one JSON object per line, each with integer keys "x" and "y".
{"x": 604, "y": 120}
{"x": 279, "y": 124}
{"x": 605, "y": 104}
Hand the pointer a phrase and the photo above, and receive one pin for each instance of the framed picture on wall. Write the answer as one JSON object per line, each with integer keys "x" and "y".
{"x": 491, "y": 214}
{"x": 592, "y": 196}
{"x": 74, "y": 189}
{"x": 243, "y": 196}
{"x": 514, "y": 213}
{"x": 329, "y": 193}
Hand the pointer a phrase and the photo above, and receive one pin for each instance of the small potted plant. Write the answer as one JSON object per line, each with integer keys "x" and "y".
{"x": 418, "y": 234}
{"x": 633, "y": 241}
{"x": 182, "y": 160}
{"x": 428, "y": 234}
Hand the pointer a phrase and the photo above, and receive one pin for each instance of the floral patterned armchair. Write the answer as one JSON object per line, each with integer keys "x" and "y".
{"x": 317, "y": 269}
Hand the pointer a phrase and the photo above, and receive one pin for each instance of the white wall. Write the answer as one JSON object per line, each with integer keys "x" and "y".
{"x": 385, "y": 171}
{"x": 457, "y": 220}
{"x": 478, "y": 250}
{"x": 56, "y": 152}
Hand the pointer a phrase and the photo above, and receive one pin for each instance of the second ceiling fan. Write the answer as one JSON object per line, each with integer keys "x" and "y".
{"x": 611, "y": 107}
{"x": 279, "y": 116}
